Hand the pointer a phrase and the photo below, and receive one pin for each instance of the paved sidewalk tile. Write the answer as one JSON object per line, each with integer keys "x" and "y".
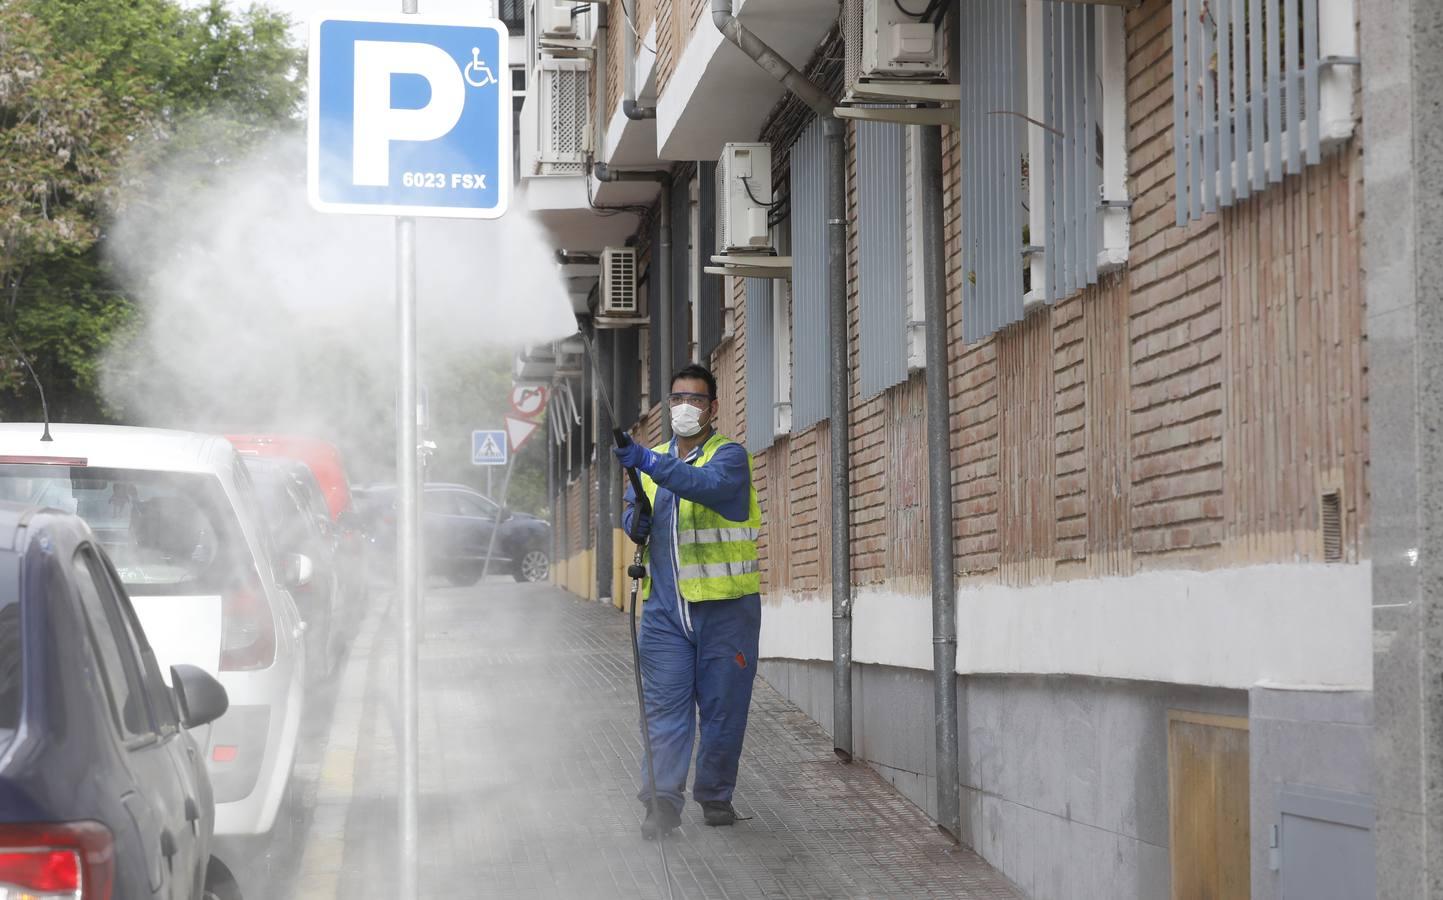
{"x": 530, "y": 752}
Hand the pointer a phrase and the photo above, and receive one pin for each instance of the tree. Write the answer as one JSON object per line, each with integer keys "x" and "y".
{"x": 98, "y": 98}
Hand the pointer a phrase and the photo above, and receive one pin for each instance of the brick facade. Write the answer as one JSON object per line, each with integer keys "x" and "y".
{"x": 1188, "y": 411}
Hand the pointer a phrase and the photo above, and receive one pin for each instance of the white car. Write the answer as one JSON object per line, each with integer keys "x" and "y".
{"x": 176, "y": 513}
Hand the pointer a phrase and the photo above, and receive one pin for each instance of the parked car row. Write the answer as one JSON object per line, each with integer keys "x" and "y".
{"x": 162, "y": 598}
{"x": 166, "y": 599}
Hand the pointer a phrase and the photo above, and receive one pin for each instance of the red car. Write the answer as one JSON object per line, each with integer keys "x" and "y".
{"x": 324, "y": 461}
{"x": 322, "y": 457}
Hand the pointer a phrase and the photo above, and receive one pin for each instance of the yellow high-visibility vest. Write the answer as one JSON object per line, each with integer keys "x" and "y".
{"x": 716, "y": 557}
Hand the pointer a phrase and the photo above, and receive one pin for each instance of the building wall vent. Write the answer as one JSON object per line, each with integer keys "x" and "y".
{"x": 564, "y": 117}
{"x": 618, "y": 283}
{"x": 1332, "y": 523}
{"x": 743, "y": 198}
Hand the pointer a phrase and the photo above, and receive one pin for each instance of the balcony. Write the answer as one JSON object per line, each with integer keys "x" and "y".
{"x": 717, "y": 94}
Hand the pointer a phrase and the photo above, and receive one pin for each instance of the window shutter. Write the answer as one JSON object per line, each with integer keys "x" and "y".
{"x": 761, "y": 348}
{"x": 882, "y": 268}
{"x": 1070, "y": 169}
{"x": 811, "y": 340}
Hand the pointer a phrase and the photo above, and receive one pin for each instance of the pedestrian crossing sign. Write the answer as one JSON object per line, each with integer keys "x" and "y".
{"x": 488, "y": 448}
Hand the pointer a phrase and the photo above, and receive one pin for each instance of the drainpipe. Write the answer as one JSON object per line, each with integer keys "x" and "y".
{"x": 661, "y": 263}
{"x": 629, "y": 107}
{"x": 603, "y": 343}
{"x": 939, "y": 499}
{"x": 841, "y": 386}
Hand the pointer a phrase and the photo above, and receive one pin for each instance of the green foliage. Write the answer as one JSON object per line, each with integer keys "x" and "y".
{"x": 97, "y": 98}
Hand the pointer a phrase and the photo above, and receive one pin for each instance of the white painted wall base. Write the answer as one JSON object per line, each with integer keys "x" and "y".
{"x": 1286, "y": 626}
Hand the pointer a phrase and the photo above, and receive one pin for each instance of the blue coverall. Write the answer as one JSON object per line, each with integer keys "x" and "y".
{"x": 695, "y": 657}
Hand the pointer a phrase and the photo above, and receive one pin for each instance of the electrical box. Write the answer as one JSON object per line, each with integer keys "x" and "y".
{"x": 618, "y": 283}
{"x": 553, "y": 18}
{"x": 744, "y": 197}
{"x": 895, "y": 44}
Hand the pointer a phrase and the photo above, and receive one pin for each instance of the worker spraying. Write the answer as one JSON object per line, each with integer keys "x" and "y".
{"x": 702, "y": 615}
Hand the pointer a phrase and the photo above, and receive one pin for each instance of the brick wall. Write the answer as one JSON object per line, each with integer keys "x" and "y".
{"x": 1188, "y": 411}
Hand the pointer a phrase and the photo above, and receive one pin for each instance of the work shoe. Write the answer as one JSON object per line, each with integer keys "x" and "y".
{"x": 718, "y": 812}
{"x": 661, "y": 819}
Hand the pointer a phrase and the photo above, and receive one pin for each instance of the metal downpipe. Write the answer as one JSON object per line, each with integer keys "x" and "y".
{"x": 841, "y": 397}
{"x": 604, "y": 344}
{"x": 629, "y": 105}
{"x": 841, "y": 380}
{"x": 939, "y": 481}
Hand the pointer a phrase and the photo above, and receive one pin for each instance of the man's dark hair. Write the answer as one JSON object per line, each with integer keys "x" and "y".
{"x": 698, "y": 373}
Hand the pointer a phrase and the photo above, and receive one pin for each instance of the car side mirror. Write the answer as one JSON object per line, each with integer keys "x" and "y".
{"x": 297, "y": 570}
{"x": 201, "y": 698}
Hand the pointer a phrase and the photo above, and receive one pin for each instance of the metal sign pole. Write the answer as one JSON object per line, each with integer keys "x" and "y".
{"x": 408, "y": 570}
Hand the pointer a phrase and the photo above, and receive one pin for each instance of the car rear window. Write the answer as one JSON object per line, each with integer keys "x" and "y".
{"x": 11, "y": 660}
{"x": 166, "y": 532}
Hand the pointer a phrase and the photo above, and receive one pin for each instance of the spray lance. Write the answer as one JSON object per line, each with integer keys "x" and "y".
{"x": 636, "y": 572}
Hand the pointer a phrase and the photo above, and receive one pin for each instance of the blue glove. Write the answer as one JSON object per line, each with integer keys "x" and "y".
{"x": 634, "y": 456}
{"x": 640, "y": 528}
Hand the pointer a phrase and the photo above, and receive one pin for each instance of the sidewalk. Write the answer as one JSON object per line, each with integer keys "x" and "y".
{"x": 528, "y": 766}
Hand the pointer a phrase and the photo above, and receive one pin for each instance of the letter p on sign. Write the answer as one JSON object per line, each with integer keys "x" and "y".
{"x": 396, "y": 125}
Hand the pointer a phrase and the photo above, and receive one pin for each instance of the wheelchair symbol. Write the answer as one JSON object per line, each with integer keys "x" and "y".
{"x": 477, "y": 73}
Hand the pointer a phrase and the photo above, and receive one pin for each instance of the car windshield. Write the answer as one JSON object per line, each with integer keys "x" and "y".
{"x": 11, "y": 663}
{"x": 283, "y": 516}
{"x": 166, "y": 532}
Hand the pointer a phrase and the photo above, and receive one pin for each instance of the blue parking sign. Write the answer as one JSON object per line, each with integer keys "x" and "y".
{"x": 409, "y": 116}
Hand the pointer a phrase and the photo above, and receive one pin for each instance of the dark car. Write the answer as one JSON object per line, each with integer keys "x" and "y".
{"x": 103, "y": 793}
{"x": 295, "y": 513}
{"x": 457, "y": 524}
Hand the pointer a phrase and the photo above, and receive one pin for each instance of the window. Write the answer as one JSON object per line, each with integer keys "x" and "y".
{"x": 475, "y": 507}
{"x": 172, "y": 533}
{"x": 1259, "y": 88}
{"x": 1043, "y": 134}
{"x": 811, "y": 338}
{"x": 916, "y": 257}
{"x": 769, "y": 357}
{"x": 11, "y": 646}
{"x": 512, "y": 14}
{"x": 118, "y": 665}
{"x": 882, "y": 190}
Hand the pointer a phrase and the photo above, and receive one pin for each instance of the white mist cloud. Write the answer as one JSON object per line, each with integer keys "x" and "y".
{"x": 259, "y": 311}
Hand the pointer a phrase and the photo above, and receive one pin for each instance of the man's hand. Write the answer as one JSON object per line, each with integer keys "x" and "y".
{"x": 634, "y": 456}
{"x": 640, "y": 529}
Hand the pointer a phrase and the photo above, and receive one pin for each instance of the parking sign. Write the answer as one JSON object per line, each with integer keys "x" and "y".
{"x": 409, "y": 116}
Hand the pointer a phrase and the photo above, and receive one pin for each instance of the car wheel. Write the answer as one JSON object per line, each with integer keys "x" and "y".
{"x": 220, "y": 884}
{"x": 533, "y": 566}
{"x": 464, "y": 576}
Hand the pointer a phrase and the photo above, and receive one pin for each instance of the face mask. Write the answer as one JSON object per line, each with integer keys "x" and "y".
{"x": 686, "y": 420}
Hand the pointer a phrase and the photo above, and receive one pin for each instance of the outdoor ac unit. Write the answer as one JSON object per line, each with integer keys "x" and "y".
{"x": 564, "y": 117}
{"x": 553, "y": 19}
{"x": 744, "y": 195}
{"x": 885, "y": 43}
{"x": 618, "y": 282}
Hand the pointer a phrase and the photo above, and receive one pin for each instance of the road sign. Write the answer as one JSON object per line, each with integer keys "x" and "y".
{"x": 409, "y": 116}
{"x": 528, "y": 401}
{"x": 488, "y": 448}
{"x": 519, "y": 431}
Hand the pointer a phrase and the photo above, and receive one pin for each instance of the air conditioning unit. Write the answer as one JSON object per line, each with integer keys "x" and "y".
{"x": 744, "y": 197}
{"x": 563, "y": 119}
{"x": 618, "y": 283}
{"x": 884, "y": 43}
{"x": 553, "y": 18}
